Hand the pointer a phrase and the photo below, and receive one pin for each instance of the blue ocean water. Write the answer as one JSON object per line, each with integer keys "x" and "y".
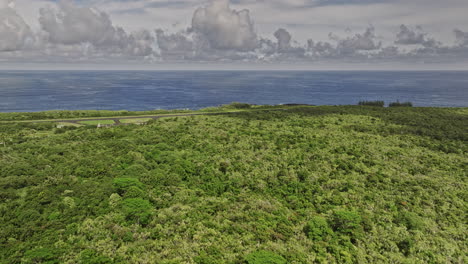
{"x": 144, "y": 90}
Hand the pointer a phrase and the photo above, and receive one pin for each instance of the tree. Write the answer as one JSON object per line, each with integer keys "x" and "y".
{"x": 138, "y": 210}
{"x": 264, "y": 257}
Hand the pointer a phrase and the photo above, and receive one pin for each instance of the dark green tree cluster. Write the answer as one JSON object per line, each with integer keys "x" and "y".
{"x": 372, "y": 103}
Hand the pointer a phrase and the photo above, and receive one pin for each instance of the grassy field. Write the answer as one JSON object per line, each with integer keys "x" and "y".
{"x": 18, "y": 117}
{"x": 65, "y": 124}
{"x": 97, "y": 122}
{"x": 328, "y": 184}
{"x": 135, "y": 120}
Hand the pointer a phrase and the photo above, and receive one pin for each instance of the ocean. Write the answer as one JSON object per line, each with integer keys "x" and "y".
{"x": 27, "y": 91}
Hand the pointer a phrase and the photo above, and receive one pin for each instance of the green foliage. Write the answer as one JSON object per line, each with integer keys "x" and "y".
{"x": 137, "y": 210}
{"x": 89, "y": 256}
{"x": 318, "y": 229}
{"x": 327, "y": 184}
{"x": 406, "y": 246}
{"x": 41, "y": 255}
{"x": 348, "y": 223}
{"x": 409, "y": 219}
{"x": 237, "y": 105}
{"x": 264, "y": 257}
{"x": 398, "y": 104}
{"x": 212, "y": 255}
{"x": 134, "y": 192}
{"x": 372, "y": 103}
{"x": 122, "y": 185}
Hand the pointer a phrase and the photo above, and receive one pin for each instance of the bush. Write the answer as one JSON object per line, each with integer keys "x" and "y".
{"x": 239, "y": 105}
{"x": 264, "y": 257}
{"x": 121, "y": 185}
{"x": 411, "y": 220}
{"x": 317, "y": 229}
{"x": 372, "y": 103}
{"x": 348, "y": 223}
{"x": 134, "y": 192}
{"x": 405, "y": 246}
{"x": 398, "y": 104}
{"x": 41, "y": 255}
{"x": 138, "y": 210}
{"x": 92, "y": 257}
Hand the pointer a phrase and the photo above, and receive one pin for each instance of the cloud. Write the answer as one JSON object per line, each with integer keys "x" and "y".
{"x": 284, "y": 46}
{"x": 15, "y": 34}
{"x": 73, "y": 25}
{"x": 320, "y": 49}
{"x": 357, "y": 43}
{"x": 461, "y": 37}
{"x": 223, "y": 28}
{"x": 408, "y": 36}
{"x": 72, "y": 31}
{"x": 176, "y": 46}
{"x": 284, "y": 39}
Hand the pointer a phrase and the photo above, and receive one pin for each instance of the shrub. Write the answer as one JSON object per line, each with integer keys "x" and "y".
{"x": 134, "y": 192}
{"x": 405, "y": 246}
{"x": 348, "y": 223}
{"x": 138, "y": 210}
{"x": 237, "y": 105}
{"x": 317, "y": 228}
{"x": 398, "y": 104}
{"x": 121, "y": 185}
{"x": 41, "y": 255}
{"x": 211, "y": 255}
{"x": 372, "y": 103}
{"x": 90, "y": 256}
{"x": 411, "y": 220}
{"x": 264, "y": 257}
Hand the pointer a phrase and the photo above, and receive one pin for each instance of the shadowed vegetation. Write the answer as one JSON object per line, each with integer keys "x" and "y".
{"x": 372, "y": 103}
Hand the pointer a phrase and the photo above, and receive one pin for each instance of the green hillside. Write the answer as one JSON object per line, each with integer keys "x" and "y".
{"x": 328, "y": 184}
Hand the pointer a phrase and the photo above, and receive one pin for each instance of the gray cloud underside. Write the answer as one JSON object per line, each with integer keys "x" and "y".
{"x": 217, "y": 33}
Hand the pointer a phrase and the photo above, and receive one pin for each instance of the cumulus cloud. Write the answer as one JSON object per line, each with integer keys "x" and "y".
{"x": 284, "y": 39}
{"x": 284, "y": 48}
{"x": 70, "y": 31}
{"x": 176, "y": 46}
{"x": 73, "y": 25}
{"x": 320, "y": 49}
{"x": 223, "y": 28}
{"x": 408, "y": 36}
{"x": 461, "y": 37}
{"x": 15, "y": 34}
{"x": 357, "y": 43}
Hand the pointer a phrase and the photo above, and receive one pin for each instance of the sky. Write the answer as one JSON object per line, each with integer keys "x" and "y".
{"x": 238, "y": 34}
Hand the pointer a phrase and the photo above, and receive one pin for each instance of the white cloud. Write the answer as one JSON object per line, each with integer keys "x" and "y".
{"x": 359, "y": 42}
{"x": 176, "y": 46}
{"x": 15, "y": 34}
{"x": 461, "y": 37}
{"x": 224, "y": 28}
{"x": 223, "y": 31}
{"x": 73, "y": 25}
{"x": 408, "y": 36}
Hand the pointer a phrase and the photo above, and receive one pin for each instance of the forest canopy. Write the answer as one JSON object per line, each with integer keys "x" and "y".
{"x": 336, "y": 184}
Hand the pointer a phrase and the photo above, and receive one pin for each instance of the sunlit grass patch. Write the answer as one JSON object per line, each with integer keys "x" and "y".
{"x": 67, "y": 124}
{"x": 135, "y": 120}
{"x": 97, "y": 122}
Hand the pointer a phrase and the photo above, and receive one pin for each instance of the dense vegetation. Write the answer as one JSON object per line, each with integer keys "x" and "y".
{"x": 398, "y": 104}
{"x": 372, "y": 103}
{"x": 69, "y": 114}
{"x": 347, "y": 184}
